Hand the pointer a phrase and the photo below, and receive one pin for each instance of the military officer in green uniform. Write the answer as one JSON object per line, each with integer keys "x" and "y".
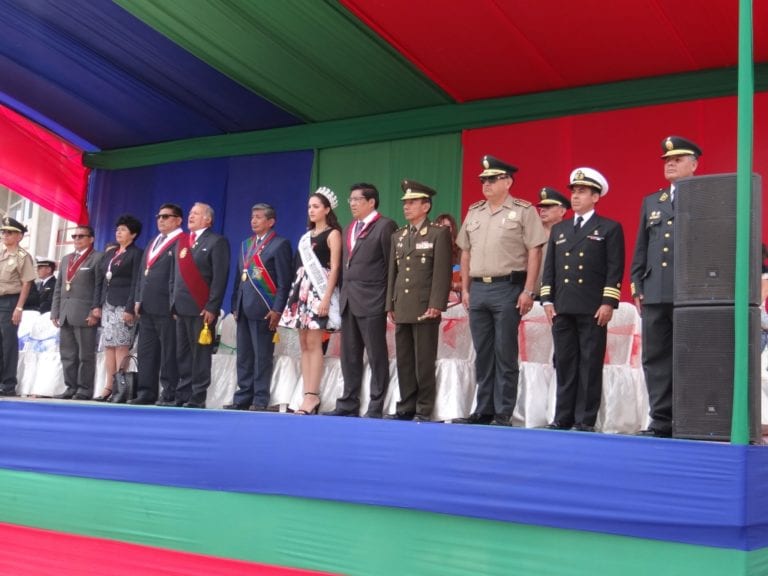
{"x": 652, "y": 274}
{"x": 17, "y": 271}
{"x": 501, "y": 241}
{"x": 419, "y": 280}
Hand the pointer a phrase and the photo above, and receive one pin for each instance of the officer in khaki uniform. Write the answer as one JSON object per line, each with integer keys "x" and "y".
{"x": 419, "y": 279}
{"x": 580, "y": 288}
{"x": 17, "y": 270}
{"x": 652, "y": 275}
{"x": 501, "y": 241}
{"x": 552, "y": 207}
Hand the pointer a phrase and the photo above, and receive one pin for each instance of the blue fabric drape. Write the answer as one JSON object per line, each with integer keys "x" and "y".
{"x": 230, "y": 185}
{"x": 109, "y": 78}
{"x": 673, "y": 490}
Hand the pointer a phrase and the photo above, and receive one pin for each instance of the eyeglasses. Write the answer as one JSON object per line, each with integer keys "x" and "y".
{"x": 78, "y": 236}
{"x": 166, "y": 216}
{"x": 355, "y": 199}
{"x": 492, "y": 179}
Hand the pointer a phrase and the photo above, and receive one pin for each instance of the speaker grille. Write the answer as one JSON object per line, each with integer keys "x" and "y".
{"x": 703, "y": 358}
{"x": 705, "y": 241}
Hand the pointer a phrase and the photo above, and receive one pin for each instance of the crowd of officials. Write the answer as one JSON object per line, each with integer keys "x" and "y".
{"x": 506, "y": 254}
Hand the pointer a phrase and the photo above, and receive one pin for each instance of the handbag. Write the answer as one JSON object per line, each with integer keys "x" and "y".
{"x": 124, "y": 382}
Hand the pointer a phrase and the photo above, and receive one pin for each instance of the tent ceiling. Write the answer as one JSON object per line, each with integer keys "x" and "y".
{"x": 138, "y": 71}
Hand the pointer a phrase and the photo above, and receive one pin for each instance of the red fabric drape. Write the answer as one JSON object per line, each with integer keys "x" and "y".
{"x": 42, "y": 167}
{"x": 34, "y": 552}
{"x": 625, "y": 145}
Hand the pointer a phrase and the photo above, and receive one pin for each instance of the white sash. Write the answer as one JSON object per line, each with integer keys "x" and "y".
{"x": 319, "y": 278}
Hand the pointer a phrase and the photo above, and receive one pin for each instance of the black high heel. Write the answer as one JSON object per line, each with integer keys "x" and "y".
{"x": 314, "y": 410}
{"x": 104, "y": 396}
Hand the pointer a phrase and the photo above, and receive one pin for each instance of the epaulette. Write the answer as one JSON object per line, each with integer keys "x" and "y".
{"x": 404, "y": 227}
{"x": 437, "y": 225}
{"x": 523, "y": 203}
{"x": 21, "y": 254}
{"x": 477, "y": 204}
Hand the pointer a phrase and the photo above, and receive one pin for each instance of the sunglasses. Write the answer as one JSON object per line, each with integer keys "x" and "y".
{"x": 492, "y": 179}
{"x": 78, "y": 236}
{"x": 166, "y": 216}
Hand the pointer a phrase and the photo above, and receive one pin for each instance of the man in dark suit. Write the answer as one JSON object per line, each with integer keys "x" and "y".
{"x": 367, "y": 246}
{"x": 198, "y": 284}
{"x": 262, "y": 281}
{"x": 157, "y": 328}
{"x": 420, "y": 271}
{"x": 41, "y": 292}
{"x": 652, "y": 276}
{"x": 580, "y": 288}
{"x": 76, "y": 309}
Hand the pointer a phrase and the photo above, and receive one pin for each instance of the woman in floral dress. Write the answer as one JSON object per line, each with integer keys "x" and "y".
{"x": 313, "y": 302}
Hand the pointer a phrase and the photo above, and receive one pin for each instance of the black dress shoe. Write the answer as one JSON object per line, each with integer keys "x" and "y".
{"x": 557, "y": 426}
{"x": 193, "y": 405}
{"x": 399, "y": 416}
{"x": 583, "y": 428}
{"x": 255, "y": 408}
{"x": 68, "y": 395}
{"x": 139, "y": 400}
{"x": 420, "y": 418}
{"x": 9, "y": 393}
{"x": 235, "y": 406}
{"x": 375, "y": 415}
{"x": 655, "y": 433}
{"x": 502, "y": 420}
{"x": 341, "y": 412}
{"x": 475, "y": 419}
{"x": 81, "y": 396}
{"x": 167, "y": 403}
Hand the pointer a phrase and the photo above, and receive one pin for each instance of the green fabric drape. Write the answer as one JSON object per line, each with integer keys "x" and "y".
{"x": 432, "y": 160}
{"x": 313, "y": 59}
{"x": 436, "y": 119}
{"x": 343, "y": 538}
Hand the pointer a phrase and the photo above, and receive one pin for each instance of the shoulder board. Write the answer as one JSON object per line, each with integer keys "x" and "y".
{"x": 477, "y": 204}
{"x": 523, "y": 203}
{"x": 21, "y": 254}
{"x": 436, "y": 225}
{"x": 405, "y": 227}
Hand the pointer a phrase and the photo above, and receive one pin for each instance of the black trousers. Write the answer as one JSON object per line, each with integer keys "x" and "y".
{"x": 579, "y": 352}
{"x": 157, "y": 358}
{"x": 358, "y": 334}
{"x": 194, "y": 360}
{"x": 9, "y": 344}
{"x": 657, "y": 363}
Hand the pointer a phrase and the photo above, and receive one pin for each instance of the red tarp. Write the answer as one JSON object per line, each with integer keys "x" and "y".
{"x": 42, "y": 167}
{"x": 624, "y": 145}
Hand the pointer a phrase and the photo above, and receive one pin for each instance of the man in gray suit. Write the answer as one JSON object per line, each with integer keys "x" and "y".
{"x": 76, "y": 310}
{"x": 367, "y": 244}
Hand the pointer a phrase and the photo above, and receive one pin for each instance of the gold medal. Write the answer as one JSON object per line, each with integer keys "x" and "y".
{"x": 146, "y": 272}
{"x": 257, "y": 274}
{"x": 423, "y": 260}
{"x": 68, "y": 286}
{"x": 244, "y": 277}
{"x": 183, "y": 253}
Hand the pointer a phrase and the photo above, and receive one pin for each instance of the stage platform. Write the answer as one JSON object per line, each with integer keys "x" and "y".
{"x": 148, "y": 490}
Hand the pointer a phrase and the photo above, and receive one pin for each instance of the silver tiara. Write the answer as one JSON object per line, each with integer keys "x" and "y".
{"x": 329, "y": 194}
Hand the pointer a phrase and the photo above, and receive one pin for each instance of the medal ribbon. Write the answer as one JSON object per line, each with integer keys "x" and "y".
{"x": 75, "y": 263}
{"x": 160, "y": 250}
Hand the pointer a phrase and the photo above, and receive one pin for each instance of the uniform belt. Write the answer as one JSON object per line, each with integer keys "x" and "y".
{"x": 512, "y": 278}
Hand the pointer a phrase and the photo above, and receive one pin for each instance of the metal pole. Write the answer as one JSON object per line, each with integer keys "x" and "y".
{"x": 740, "y": 420}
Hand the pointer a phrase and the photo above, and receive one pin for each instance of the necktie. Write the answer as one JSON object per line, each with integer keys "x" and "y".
{"x": 577, "y": 226}
{"x": 192, "y": 238}
{"x": 160, "y": 240}
{"x": 358, "y": 228}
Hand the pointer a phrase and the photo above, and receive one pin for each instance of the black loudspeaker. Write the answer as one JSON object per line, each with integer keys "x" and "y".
{"x": 705, "y": 240}
{"x": 703, "y": 357}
